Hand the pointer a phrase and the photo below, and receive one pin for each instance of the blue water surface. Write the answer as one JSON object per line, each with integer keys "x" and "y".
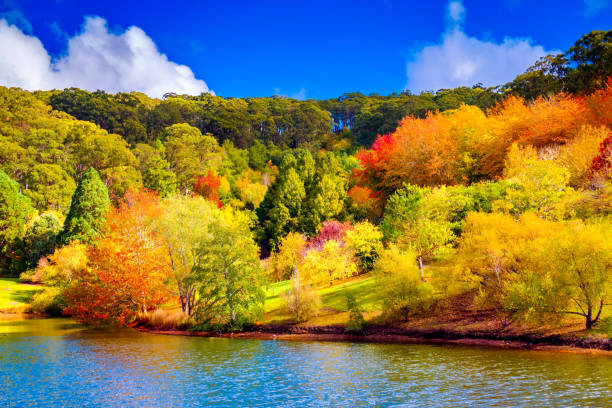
{"x": 56, "y": 362}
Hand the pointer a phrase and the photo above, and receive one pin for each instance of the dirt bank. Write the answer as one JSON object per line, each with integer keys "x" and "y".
{"x": 385, "y": 334}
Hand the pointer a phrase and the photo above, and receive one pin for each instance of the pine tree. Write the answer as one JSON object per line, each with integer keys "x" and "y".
{"x": 90, "y": 204}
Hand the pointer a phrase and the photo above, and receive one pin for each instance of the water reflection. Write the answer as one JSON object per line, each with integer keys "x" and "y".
{"x": 56, "y": 362}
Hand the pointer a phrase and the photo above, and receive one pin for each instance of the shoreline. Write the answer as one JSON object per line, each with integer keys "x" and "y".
{"x": 386, "y": 334}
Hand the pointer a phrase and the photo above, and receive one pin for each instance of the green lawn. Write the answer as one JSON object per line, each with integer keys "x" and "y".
{"x": 15, "y": 296}
{"x": 332, "y": 298}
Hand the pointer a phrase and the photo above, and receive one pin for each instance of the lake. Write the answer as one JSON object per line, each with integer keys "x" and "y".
{"x": 56, "y": 362}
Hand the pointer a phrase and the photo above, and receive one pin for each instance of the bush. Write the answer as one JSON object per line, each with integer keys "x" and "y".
{"x": 356, "y": 321}
{"x": 168, "y": 319}
{"x": 399, "y": 284}
{"x": 50, "y": 300}
{"x": 301, "y": 301}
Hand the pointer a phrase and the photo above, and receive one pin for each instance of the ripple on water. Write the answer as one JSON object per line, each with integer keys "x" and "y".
{"x": 55, "y": 363}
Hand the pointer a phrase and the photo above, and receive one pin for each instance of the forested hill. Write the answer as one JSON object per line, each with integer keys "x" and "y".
{"x": 492, "y": 181}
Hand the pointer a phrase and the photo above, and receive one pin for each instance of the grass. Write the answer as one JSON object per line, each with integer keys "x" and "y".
{"x": 333, "y": 300}
{"x": 15, "y": 296}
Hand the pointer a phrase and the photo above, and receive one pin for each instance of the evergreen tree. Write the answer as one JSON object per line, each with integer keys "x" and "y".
{"x": 88, "y": 209}
{"x": 14, "y": 211}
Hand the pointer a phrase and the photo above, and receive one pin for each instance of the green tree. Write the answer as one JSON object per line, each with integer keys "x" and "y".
{"x": 40, "y": 238}
{"x": 90, "y": 204}
{"x": 158, "y": 177}
{"x": 326, "y": 195}
{"x": 184, "y": 222}
{"x": 15, "y": 209}
{"x": 228, "y": 275}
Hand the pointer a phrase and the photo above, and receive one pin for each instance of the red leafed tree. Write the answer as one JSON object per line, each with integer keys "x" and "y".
{"x": 602, "y": 163}
{"x": 330, "y": 230}
{"x": 127, "y": 268}
{"x": 599, "y": 106}
{"x": 208, "y": 187}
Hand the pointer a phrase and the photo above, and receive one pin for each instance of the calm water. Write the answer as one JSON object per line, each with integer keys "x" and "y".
{"x": 58, "y": 363}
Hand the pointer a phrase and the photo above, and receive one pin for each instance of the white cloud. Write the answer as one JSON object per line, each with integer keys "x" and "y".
{"x": 456, "y": 11}
{"x": 460, "y": 60}
{"x": 593, "y": 7}
{"x": 95, "y": 59}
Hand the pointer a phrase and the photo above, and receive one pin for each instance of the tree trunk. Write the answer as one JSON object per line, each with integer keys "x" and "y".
{"x": 589, "y": 318}
{"x": 420, "y": 259}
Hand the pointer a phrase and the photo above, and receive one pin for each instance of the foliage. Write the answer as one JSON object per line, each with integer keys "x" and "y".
{"x": 356, "y": 322}
{"x": 90, "y": 204}
{"x": 183, "y": 223}
{"x": 15, "y": 209}
{"x": 227, "y": 275}
{"x": 40, "y": 238}
{"x": 399, "y": 285}
{"x": 568, "y": 273}
{"x": 332, "y": 262}
{"x": 301, "y": 301}
{"x": 208, "y": 187}
{"x": 365, "y": 240}
{"x": 287, "y": 258}
{"x": 128, "y": 266}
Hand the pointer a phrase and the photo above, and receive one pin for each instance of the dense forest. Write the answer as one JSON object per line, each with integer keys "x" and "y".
{"x": 123, "y": 206}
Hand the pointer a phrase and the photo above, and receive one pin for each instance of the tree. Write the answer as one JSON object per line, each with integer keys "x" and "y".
{"x": 280, "y": 211}
{"x": 88, "y": 209}
{"x": 365, "y": 240}
{"x": 399, "y": 286}
{"x": 301, "y": 300}
{"x": 208, "y": 187}
{"x": 567, "y": 272}
{"x": 326, "y": 195}
{"x": 184, "y": 223}
{"x": 332, "y": 262}
{"x": 49, "y": 187}
{"x": 158, "y": 177}
{"x": 537, "y": 185}
{"x": 15, "y": 209}
{"x": 127, "y": 268}
{"x": 286, "y": 260}
{"x": 56, "y": 273}
{"x": 492, "y": 248}
{"x": 190, "y": 153}
{"x": 40, "y": 238}
{"x": 227, "y": 275}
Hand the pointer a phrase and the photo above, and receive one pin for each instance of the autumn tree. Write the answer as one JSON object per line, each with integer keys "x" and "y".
{"x": 90, "y": 204}
{"x": 566, "y": 272}
{"x": 127, "y": 268}
{"x": 208, "y": 187}
{"x": 365, "y": 240}
{"x": 399, "y": 285}
{"x": 286, "y": 260}
{"x": 332, "y": 262}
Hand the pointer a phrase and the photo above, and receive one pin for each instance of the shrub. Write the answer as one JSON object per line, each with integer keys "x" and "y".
{"x": 301, "y": 301}
{"x": 50, "y": 300}
{"x": 356, "y": 321}
{"x": 168, "y": 319}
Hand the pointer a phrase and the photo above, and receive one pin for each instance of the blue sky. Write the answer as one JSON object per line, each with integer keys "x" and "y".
{"x": 306, "y": 49}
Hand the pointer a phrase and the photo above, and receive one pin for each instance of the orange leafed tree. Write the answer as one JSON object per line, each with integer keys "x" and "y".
{"x": 128, "y": 267}
{"x": 208, "y": 187}
{"x": 466, "y": 145}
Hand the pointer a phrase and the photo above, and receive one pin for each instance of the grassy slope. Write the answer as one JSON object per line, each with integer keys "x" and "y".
{"x": 14, "y": 296}
{"x": 333, "y": 301}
